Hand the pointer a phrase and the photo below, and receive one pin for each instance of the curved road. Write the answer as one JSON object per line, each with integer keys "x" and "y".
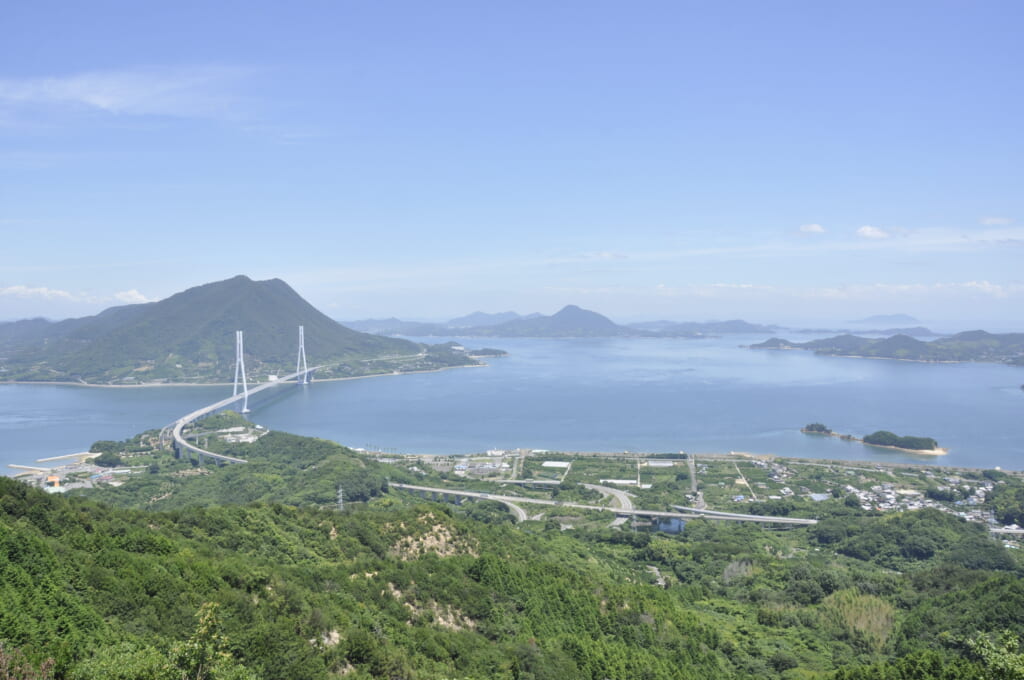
{"x": 622, "y": 498}
{"x": 705, "y": 514}
{"x": 520, "y": 514}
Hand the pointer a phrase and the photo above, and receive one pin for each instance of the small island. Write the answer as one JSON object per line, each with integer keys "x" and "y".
{"x": 815, "y": 428}
{"x": 883, "y": 439}
{"x": 886, "y": 438}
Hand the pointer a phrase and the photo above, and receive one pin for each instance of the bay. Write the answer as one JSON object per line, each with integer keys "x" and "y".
{"x": 621, "y": 394}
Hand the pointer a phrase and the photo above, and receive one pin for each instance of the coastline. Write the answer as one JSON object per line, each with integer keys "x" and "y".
{"x": 922, "y": 452}
{"x": 83, "y": 456}
{"x": 862, "y": 356}
{"x": 850, "y": 438}
{"x": 68, "y": 383}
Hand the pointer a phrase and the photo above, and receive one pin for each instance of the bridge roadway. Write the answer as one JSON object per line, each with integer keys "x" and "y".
{"x": 740, "y": 517}
{"x": 178, "y": 425}
{"x": 695, "y": 514}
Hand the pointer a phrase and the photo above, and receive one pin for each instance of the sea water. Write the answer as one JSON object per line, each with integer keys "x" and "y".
{"x": 619, "y": 394}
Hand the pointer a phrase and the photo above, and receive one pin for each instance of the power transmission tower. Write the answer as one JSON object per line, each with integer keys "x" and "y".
{"x": 300, "y": 362}
{"x": 240, "y": 370}
{"x": 341, "y": 499}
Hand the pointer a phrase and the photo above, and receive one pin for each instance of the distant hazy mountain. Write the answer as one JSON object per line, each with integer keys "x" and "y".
{"x": 190, "y": 335}
{"x": 570, "y": 322}
{"x": 883, "y": 320}
{"x": 967, "y": 346}
{"x": 915, "y": 331}
{"x": 395, "y": 326}
{"x": 652, "y": 326}
{"x": 699, "y": 328}
{"x": 484, "y": 319}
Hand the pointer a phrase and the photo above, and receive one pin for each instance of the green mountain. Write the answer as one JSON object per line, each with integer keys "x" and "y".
{"x": 189, "y": 336}
{"x": 967, "y": 346}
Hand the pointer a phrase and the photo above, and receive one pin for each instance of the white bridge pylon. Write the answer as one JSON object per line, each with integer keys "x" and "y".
{"x": 240, "y": 370}
{"x": 300, "y": 362}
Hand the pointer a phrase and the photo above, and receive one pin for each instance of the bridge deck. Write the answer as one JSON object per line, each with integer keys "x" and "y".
{"x": 178, "y": 425}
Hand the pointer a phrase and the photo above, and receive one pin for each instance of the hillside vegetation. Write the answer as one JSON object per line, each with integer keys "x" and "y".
{"x": 290, "y": 587}
{"x": 886, "y": 438}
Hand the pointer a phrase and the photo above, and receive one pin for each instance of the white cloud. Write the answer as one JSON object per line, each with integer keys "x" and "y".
{"x": 882, "y": 291}
{"x": 590, "y": 256}
{"x": 868, "y": 231}
{"x": 180, "y": 92}
{"x": 995, "y": 221}
{"x": 812, "y": 229}
{"x": 131, "y": 297}
{"x": 853, "y": 292}
{"x": 20, "y": 292}
{"x": 40, "y": 293}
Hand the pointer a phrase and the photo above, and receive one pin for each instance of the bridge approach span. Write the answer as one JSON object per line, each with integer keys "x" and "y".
{"x": 178, "y": 425}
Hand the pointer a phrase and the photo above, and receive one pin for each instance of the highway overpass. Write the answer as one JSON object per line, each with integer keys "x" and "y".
{"x": 435, "y": 492}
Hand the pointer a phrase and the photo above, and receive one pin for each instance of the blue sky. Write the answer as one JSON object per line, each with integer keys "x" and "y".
{"x": 776, "y": 161}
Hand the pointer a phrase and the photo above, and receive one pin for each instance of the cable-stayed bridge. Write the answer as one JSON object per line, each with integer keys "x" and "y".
{"x": 173, "y": 432}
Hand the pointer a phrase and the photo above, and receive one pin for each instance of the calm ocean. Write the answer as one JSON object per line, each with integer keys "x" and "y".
{"x": 651, "y": 395}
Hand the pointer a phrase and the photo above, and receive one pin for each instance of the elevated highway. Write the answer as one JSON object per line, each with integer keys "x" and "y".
{"x": 435, "y": 492}
{"x": 740, "y": 517}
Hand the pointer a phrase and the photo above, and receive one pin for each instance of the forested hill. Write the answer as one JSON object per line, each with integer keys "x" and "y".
{"x": 251, "y": 571}
{"x": 395, "y": 588}
{"x": 189, "y": 336}
{"x": 966, "y": 346}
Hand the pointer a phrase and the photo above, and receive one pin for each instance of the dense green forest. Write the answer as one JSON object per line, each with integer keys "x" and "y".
{"x": 886, "y": 438}
{"x": 250, "y": 571}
